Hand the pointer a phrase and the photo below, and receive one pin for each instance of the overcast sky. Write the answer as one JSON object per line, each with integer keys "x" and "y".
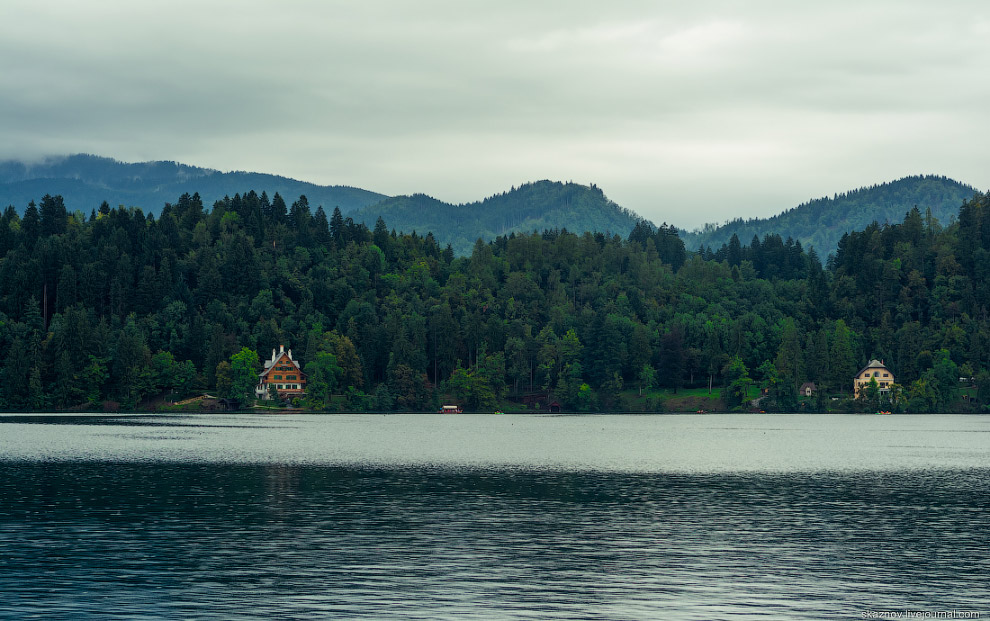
{"x": 685, "y": 112}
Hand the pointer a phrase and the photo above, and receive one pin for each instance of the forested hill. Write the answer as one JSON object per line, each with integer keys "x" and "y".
{"x": 124, "y": 309}
{"x": 821, "y": 223}
{"x": 85, "y": 181}
{"x": 531, "y": 207}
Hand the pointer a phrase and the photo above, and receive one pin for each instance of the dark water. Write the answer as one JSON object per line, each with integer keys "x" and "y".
{"x": 493, "y": 517}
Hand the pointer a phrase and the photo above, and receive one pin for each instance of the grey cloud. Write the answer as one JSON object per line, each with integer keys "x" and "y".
{"x": 685, "y": 114}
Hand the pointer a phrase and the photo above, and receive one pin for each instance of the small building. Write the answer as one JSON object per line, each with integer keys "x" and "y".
{"x": 876, "y": 370}
{"x": 282, "y": 372}
{"x": 807, "y": 389}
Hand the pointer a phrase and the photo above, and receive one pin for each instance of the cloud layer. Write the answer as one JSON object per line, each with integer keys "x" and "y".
{"x": 683, "y": 114}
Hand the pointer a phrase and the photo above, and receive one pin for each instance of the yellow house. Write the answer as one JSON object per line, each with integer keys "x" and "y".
{"x": 875, "y": 370}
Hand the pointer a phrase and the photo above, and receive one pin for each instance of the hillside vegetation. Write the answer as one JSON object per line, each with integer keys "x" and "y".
{"x": 543, "y": 205}
{"x": 86, "y": 181}
{"x": 120, "y": 307}
{"x": 821, "y": 223}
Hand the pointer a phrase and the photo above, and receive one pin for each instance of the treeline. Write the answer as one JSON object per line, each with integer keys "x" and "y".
{"x": 123, "y": 306}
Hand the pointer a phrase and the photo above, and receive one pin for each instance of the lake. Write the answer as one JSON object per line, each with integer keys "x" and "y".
{"x": 493, "y": 516}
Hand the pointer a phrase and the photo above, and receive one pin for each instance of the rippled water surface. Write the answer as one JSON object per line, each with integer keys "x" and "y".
{"x": 493, "y": 517}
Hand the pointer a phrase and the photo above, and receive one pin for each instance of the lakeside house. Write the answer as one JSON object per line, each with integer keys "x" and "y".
{"x": 875, "y": 370}
{"x": 807, "y": 389}
{"x": 282, "y": 372}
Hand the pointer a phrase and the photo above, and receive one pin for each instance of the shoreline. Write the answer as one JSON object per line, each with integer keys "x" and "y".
{"x": 274, "y": 412}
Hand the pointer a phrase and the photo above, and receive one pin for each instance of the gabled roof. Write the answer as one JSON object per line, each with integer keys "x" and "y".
{"x": 277, "y": 354}
{"x": 280, "y": 358}
{"x": 874, "y": 364}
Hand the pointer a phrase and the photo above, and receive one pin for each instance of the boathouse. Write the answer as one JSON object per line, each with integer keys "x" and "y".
{"x": 807, "y": 389}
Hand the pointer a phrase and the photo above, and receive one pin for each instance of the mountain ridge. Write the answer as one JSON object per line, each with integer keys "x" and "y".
{"x": 85, "y": 181}
{"x": 533, "y": 206}
{"x": 820, "y": 223}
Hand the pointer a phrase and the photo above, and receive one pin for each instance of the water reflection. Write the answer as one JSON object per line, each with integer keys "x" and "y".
{"x": 239, "y": 540}
{"x": 688, "y": 444}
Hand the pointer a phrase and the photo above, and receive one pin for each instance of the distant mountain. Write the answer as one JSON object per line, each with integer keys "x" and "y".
{"x": 530, "y": 207}
{"x": 821, "y": 223}
{"x": 85, "y": 181}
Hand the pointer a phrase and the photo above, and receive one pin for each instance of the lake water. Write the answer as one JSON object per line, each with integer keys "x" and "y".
{"x": 493, "y": 517}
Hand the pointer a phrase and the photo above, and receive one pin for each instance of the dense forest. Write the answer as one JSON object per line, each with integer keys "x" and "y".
{"x": 117, "y": 308}
{"x": 530, "y": 207}
{"x": 822, "y": 222}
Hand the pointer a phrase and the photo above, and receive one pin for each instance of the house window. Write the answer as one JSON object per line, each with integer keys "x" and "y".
{"x": 278, "y": 377}
{"x": 280, "y": 387}
{"x": 886, "y": 374}
{"x": 290, "y": 377}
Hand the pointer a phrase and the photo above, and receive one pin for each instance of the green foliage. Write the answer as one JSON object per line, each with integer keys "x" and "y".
{"x": 322, "y": 379}
{"x": 127, "y": 308}
{"x": 821, "y": 223}
{"x": 544, "y": 205}
{"x": 737, "y": 383}
{"x": 87, "y": 180}
{"x": 383, "y": 400}
{"x": 244, "y": 367}
{"x": 647, "y": 378}
{"x": 868, "y": 398}
{"x": 224, "y": 380}
{"x": 471, "y": 389}
{"x": 94, "y": 375}
{"x": 482, "y": 387}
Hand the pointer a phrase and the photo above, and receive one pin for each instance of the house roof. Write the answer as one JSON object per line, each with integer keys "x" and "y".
{"x": 874, "y": 364}
{"x": 279, "y": 357}
{"x": 276, "y": 354}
